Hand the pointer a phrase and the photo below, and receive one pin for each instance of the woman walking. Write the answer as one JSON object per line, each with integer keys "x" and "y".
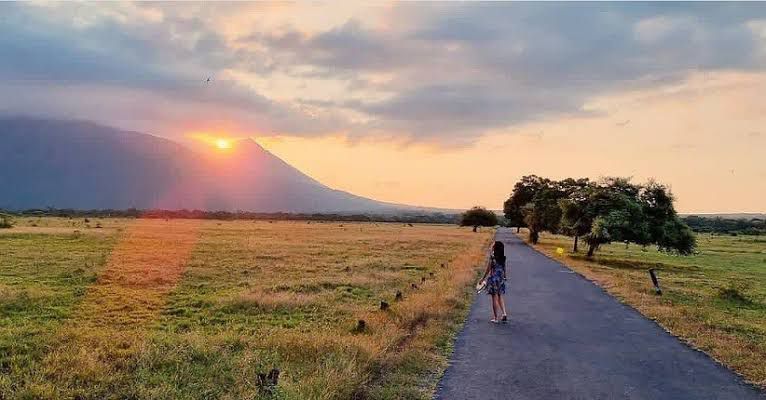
{"x": 494, "y": 279}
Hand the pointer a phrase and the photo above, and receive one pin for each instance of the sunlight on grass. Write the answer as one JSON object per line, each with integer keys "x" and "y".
{"x": 195, "y": 309}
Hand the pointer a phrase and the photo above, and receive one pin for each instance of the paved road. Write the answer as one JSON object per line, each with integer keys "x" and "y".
{"x": 568, "y": 339}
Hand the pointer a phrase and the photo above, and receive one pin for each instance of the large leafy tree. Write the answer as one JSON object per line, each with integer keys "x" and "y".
{"x": 543, "y": 212}
{"x": 642, "y": 214}
{"x": 613, "y": 212}
{"x": 478, "y": 216}
{"x": 575, "y": 221}
{"x": 523, "y": 192}
{"x": 614, "y": 209}
{"x": 513, "y": 214}
{"x": 666, "y": 229}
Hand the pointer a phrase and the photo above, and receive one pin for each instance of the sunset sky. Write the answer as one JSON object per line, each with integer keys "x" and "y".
{"x": 433, "y": 104}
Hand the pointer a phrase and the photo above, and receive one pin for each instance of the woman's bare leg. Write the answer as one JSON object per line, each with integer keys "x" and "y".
{"x": 494, "y": 306}
{"x": 502, "y": 304}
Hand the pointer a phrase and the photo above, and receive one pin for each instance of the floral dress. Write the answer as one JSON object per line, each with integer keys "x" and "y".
{"x": 496, "y": 280}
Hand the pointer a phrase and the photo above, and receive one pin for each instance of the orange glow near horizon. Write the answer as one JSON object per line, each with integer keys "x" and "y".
{"x": 217, "y": 141}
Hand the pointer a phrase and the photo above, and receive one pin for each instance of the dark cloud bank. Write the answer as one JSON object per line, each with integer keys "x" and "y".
{"x": 456, "y": 70}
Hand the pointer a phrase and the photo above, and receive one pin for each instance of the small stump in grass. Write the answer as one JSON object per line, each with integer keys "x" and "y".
{"x": 360, "y": 327}
{"x": 443, "y": 266}
{"x": 423, "y": 280}
{"x": 383, "y": 305}
{"x": 399, "y": 296}
{"x": 431, "y": 274}
{"x": 267, "y": 383}
{"x": 414, "y": 286}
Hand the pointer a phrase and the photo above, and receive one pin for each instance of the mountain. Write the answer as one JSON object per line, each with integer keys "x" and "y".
{"x": 82, "y": 165}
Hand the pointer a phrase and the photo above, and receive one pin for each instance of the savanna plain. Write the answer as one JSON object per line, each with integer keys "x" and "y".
{"x": 196, "y": 309}
{"x": 715, "y": 299}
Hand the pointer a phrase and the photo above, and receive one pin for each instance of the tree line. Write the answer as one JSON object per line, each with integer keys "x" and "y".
{"x": 754, "y": 226}
{"x": 612, "y": 209}
{"x": 403, "y": 217}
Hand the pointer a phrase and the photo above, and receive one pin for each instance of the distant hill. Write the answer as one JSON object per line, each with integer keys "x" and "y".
{"x": 82, "y": 165}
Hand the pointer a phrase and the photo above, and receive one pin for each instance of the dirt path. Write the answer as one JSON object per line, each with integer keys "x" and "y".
{"x": 568, "y": 339}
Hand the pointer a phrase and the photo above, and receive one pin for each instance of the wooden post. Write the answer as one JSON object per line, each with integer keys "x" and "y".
{"x": 656, "y": 282}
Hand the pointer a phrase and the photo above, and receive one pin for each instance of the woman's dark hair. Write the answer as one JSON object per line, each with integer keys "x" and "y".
{"x": 498, "y": 251}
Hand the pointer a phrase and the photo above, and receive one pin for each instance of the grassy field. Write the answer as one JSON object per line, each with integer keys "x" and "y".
{"x": 183, "y": 309}
{"x": 715, "y": 300}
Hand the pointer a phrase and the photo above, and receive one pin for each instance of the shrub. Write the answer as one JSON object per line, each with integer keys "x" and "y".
{"x": 6, "y": 221}
{"x": 733, "y": 294}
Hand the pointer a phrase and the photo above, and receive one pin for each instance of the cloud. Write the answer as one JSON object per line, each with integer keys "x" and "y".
{"x": 434, "y": 72}
{"x": 454, "y": 111}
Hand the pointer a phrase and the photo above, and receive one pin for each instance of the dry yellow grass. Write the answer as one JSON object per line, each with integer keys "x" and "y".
{"x": 195, "y": 309}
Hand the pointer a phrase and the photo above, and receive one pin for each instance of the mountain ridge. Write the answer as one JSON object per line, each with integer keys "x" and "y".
{"x": 84, "y": 165}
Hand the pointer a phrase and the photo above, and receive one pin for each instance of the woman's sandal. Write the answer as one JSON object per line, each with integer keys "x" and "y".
{"x": 505, "y": 319}
{"x": 493, "y": 320}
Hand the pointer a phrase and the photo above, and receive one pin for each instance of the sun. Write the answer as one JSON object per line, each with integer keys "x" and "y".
{"x": 222, "y": 144}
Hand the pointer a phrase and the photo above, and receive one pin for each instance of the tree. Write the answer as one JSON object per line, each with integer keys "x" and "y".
{"x": 613, "y": 203}
{"x": 614, "y": 209}
{"x": 523, "y": 192}
{"x": 598, "y": 235}
{"x": 666, "y": 229}
{"x": 478, "y": 216}
{"x": 641, "y": 214}
{"x": 574, "y": 220}
{"x": 677, "y": 237}
{"x": 513, "y": 215}
{"x": 622, "y": 225}
{"x": 543, "y": 212}
{"x": 657, "y": 203}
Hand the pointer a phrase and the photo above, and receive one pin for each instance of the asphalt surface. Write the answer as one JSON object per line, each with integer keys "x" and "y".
{"x": 568, "y": 339}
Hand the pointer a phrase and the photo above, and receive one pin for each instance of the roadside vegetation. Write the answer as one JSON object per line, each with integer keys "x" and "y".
{"x": 611, "y": 210}
{"x": 149, "y": 308}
